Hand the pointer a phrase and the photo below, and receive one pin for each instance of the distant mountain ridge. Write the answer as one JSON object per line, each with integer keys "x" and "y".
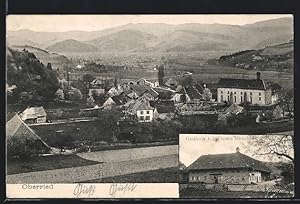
{"x": 71, "y": 45}
{"x": 152, "y": 37}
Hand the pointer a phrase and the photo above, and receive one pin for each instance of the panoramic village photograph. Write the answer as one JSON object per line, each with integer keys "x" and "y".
{"x": 104, "y": 98}
{"x": 236, "y": 166}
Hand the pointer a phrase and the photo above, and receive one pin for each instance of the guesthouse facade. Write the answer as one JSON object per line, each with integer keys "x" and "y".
{"x": 234, "y": 168}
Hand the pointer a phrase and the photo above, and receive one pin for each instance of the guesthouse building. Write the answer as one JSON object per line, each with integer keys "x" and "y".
{"x": 233, "y": 168}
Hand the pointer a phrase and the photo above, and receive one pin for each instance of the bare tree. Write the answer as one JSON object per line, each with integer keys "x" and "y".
{"x": 272, "y": 146}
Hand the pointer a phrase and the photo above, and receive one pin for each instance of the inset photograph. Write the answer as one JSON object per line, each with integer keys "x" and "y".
{"x": 236, "y": 166}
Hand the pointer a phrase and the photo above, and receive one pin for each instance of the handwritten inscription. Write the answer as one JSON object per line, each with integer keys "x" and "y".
{"x": 122, "y": 188}
{"x": 82, "y": 190}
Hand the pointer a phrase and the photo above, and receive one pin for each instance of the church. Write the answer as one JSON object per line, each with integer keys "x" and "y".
{"x": 239, "y": 91}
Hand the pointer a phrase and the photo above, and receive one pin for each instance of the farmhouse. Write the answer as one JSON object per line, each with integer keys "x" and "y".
{"x": 240, "y": 91}
{"x": 141, "y": 109}
{"x": 116, "y": 101}
{"x": 235, "y": 168}
{"x": 22, "y": 139}
{"x": 33, "y": 115}
{"x": 145, "y": 91}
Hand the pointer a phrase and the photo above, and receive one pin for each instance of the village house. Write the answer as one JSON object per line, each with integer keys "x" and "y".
{"x": 143, "y": 81}
{"x": 172, "y": 83}
{"x": 144, "y": 91}
{"x": 32, "y": 115}
{"x": 96, "y": 87}
{"x": 234, "y": 168}
{"x": 163, "y": 109}
{"x": 181, "y": 96}
{"x": 141, "y": 109}
{"x": 22, "y": 139}
{"x": 253, "y": 91}
{"x": 116, "y": 101}
{"x": 234, "y": 109}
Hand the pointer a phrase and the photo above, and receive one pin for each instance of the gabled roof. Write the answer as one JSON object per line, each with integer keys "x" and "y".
{"x": 138, "y": 104}
{"x": 234, "y": 109}
{"x": 193, "y": 92}
{"x": 171, "y": 81}
{"x": 16, "y": 128}
{"x": 228, "y": 161}
{"x": 146, "y": 81}
{"x": 33, "y": 112}
{"x": 120, "y": 99}
{"x": 163, "y": 106}
{"x": 141, "y": 89}
{"x": 242, "y": 83}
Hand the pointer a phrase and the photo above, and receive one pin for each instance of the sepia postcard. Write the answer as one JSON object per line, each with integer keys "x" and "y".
{"x": 236, "y": 166}
{"x": 98, "y": 105}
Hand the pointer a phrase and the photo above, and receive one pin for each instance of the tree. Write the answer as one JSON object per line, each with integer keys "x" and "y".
{"x": 207, "y": 95}
{"x": 272, "y": 146}
{"x": 49, "y": 66}
{"x": 286, "y": 101}
{"x": 60, "y": 94}
{"x": 90, "y": 101}
{"x": 161, "y": 74}
{"x": 74, "y": 94}
{"x": 88, "y": 78}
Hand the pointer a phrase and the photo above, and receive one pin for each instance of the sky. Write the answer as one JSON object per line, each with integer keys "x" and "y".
{"x": 61, "y": 23}
{"x": 192, "y": 146}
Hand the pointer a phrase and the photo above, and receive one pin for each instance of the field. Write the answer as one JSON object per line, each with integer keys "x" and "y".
{"x": 67, "y": 133}
{"x": 212, "y": 74}
{"x": 168, "y": 175}
{"x": 16, "y": 166}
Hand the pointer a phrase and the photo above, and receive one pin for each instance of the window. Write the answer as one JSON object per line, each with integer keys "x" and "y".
{"x": 221, "y": 92}
{"x": 148, "y": 112}
{"x": 142, "y": 112}
{"x": 251, "y": 99}
{"x": 198, "y": 178}
{"x": 234, "y": 92}
{"x": 241, "y": 93}
{"x": 235, "y": 99}
{"x": 141, "y": 117}
{"x": 251, "y": 93}
{"x": 259, "y": 98}
{"x": 147, "y": 117}
{"x": 259, "y": 94}
{"x": 228, "y": 98}
{"x": 241, "y": 99}
{"x": 221, "y": 98}
{"x": 228, "y": 92}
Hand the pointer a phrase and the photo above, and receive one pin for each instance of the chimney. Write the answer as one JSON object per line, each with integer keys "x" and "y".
{"x": 257, "y": 75}
{"x": 237, "y": 149}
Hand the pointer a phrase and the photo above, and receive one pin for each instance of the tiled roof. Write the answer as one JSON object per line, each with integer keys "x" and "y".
{"x": 120, "y": 99}
{"x": 234, "y": 109}
{"x": 141, "y": 89}
{"x": 193, "y": 92}
{"x": 228, "y": 161}
{"x": 242, "y": 83}
{"x": 138, "y": 104}
{"x": 16, "y": 128}
{"x": 163, "y": 106}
